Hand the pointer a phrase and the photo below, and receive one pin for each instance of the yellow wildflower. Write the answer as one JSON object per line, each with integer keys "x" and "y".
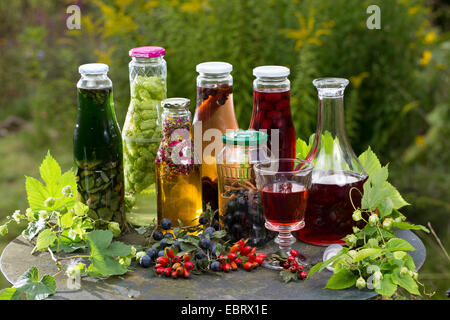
{"x": 357, "y": 80}
{"x": 413, "y": 10}
{"x": 430, "y": 37}
{"x": 426, "y": 57}
{"x": 409, "y": 106}
{"x": 104, "y": 56}
{"x": 307, "y": 32}
{"x": 419, "y": 141}
{"x": 194, "y": 5}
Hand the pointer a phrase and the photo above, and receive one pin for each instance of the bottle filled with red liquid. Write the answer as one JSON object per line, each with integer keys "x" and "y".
{"x": 272, "y": 109}
{"x": 338, "y": 177}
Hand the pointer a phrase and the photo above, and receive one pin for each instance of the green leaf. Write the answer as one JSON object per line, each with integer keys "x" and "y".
{"x": 302, "y": 149}
{"x": 67, "y": 220}
{"x": 341, "y": 280}
{"x": 219, "y": 234}
{"x": 103, "y": 253}
{"x": 50, "y": 170}
{"x": 34, "y": 289}
{"x": 408, "y": 226}
{"x": 10, "y": 294}
{"x": 369, "y": 161}
{"x": 386, "y": 207}
{"x": 387, "y": 286}
{"x": 397, "y": 244}
{"x": 374, "y": 196}
{"x": 379, "y": 177}
{"x": 395, "y": 196}
{"x": 36, "y": 193}
{"x": 322, "y": 265}
{"x": 365, "y": 253}
{"x": 287, "y": 276}
{"x": 45, "y": 239}
{"x": 405, "y": 281}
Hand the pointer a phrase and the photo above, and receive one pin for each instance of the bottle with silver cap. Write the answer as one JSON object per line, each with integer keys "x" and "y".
{"x": 272, "y": 109}
{"x": 215, "y": 114}
{"x": 98, "y": 147}
{"x": 178, "y": 181}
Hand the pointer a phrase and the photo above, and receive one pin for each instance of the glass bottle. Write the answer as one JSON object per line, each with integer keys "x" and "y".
{"x": 178, "y": 180}
{"x": 97, "y": 146}
{"x": 142, "y": 131}
{"x": 215, "y": 114}
{"x": 337, "y": 174}
{"x": 240, "y": 208}
{"x": 272, "y": 109}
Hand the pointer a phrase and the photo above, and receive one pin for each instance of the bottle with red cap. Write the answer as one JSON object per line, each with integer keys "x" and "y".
{"x": 142, "y": 132}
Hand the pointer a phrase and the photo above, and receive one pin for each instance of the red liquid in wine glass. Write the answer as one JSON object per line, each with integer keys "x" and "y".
{"x": 284, "y": 203}
{"x": 328, "y": 216}
{"x": 272, "y": 110}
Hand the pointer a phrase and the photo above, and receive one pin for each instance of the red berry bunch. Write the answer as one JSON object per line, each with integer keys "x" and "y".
{"x": 245, "y": 255}
{"x": 174, "y": 266}
{"x": 292, "y": 265}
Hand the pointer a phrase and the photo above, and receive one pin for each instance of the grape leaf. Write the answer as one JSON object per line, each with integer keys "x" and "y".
{"x": 395, "y": 196}
{"x": 341, "y": 280}
{"x": 34, "y": 289}
{"x": 103, "y": 252}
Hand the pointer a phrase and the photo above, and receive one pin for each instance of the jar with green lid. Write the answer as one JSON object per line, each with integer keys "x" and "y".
{"x": 240, "y": 208}
{"x": 142, "y": 132}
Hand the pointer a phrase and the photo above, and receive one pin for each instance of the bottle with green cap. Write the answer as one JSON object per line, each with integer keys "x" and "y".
{"x": 239, "y": 201}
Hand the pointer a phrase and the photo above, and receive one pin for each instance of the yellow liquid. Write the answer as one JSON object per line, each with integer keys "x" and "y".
{"x": 179, "y": 196}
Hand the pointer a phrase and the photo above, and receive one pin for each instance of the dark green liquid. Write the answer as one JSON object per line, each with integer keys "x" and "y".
{"x": 98, "y": 156}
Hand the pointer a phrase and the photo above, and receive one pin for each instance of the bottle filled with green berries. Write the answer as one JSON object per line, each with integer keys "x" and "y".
{"x": 142, "y": 132}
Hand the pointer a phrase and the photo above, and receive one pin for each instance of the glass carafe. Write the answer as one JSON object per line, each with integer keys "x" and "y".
{"x": 178, "y": 180}
{"x": 215, "y": 114}
{"x": 97, "y": 147}
{"x": 142, "y": 131}
{"x": 337, "y": 175}
{"x": 272, "y": 109}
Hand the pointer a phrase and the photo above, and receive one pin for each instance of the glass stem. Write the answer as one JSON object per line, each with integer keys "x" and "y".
{"x": 285, "y": 240}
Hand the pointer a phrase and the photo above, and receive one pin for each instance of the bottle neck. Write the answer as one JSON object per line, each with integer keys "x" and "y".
{"x": 331, "y": 116}
{"x": 176, "y": 120}
{"x": 209, "y": 80}
{"x": 275, "y": 84}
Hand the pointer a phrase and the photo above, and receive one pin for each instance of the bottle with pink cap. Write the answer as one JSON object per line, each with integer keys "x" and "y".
{"x": 142, "y": 132}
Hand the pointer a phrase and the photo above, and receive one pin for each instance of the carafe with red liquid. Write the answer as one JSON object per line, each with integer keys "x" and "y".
{"x": 272, "y": 109}
{"x": 338, "y": 177}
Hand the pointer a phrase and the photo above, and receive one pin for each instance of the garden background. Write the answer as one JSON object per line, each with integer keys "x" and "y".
{"x": 397, "y": 101}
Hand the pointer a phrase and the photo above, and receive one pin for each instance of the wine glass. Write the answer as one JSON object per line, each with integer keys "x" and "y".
{"x": 284, "y": 185}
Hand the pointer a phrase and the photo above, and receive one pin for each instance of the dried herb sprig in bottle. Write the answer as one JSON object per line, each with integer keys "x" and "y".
{"x": 98, "y": 147}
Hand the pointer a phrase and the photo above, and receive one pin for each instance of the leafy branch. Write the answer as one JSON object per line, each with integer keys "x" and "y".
{"x": 59, "y": 223}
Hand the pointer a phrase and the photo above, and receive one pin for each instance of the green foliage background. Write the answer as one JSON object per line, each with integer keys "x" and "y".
{"x": 397, "y": 101}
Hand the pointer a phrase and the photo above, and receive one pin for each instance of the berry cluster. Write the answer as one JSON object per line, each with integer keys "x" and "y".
{"x": 174, "y": 266}
{"x": 294, "y": 266}
{"x": 239, "y": 255}
{"x": 243, "y": 217}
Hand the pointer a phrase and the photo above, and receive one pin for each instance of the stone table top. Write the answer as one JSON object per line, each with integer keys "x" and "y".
{"x": 260, "y": 284}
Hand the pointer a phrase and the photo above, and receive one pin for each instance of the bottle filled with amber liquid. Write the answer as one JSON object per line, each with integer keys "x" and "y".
{"x": 215, "y": 115}
{"x": 178, "y": 175}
